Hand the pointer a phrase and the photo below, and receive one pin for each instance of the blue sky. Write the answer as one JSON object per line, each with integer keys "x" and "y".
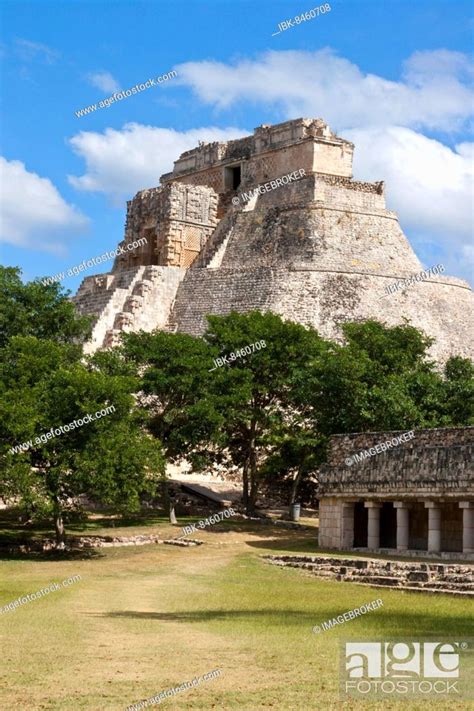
{"x": 394, "y": 77}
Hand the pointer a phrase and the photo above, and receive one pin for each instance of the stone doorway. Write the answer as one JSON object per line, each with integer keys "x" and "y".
{"x": 388, "y": 525}
{"x": 451, "y": 527}
{"x": 361, "y": 518}
{"x": 418, "y": 529}
{"x": 232, "y": 177}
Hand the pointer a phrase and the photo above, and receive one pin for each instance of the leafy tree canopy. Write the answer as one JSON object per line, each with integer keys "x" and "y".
{"x": 43, "y": 311}
{"x": 42, "y": 386}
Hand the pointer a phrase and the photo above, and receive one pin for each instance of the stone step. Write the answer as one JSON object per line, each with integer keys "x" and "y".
{"x": 427, "y": 589}
{"x": 385, "y": 580}
{"x": 214, "y": 242}
{"x": 385, "y": 574}
{"x": 451, "y": 586}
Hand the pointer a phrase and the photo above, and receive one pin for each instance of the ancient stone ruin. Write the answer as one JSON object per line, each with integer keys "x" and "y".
{"x": 413, "y": 499}
{"x": 319, "y": 250}
{"x": 415, "y": 577}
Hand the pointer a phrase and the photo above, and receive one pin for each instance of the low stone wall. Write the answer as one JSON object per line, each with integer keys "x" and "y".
{"x": 77, "y": 543}
{"x": 417, "y": 577}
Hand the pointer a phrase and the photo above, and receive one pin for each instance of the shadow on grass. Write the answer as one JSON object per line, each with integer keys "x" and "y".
{"x": 52, "y": 556}
{"x": 113, "y": 521}
{"x": 416, "y": 622}
{"x": 209, "y": 615}
{"x": 15, "y": 533}
{"x": 281, "y": 541}
{"x": 11, "y": 526}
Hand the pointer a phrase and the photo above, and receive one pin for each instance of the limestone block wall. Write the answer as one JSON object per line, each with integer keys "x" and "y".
{"x": 212, "y": 178}
{"x": 344, "y": 445}
{"x": 267, "y": 166}
{"x": 333, "y": 158}
{"x": 273, "y": 164}
{"x": 130, "y": 300}
{"x": 272, "y": 151}
{"x": 265, "y": 138}
{"x": 287, "y": 227}
{"x": 218, "y": 291}
{"x": 325, "y": 299}
{"x": 434, "y": 463}
{"x": 330, "y": 523}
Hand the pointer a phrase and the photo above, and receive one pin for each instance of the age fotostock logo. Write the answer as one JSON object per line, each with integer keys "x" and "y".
{"x": 401, "y": 668}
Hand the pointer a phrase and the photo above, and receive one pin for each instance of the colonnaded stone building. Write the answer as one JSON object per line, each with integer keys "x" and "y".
{"x": 319, "y": 250}
{"x": 417, "y": 497}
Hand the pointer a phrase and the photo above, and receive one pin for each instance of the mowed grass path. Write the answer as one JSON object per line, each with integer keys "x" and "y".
{"x": 144, "y": 619}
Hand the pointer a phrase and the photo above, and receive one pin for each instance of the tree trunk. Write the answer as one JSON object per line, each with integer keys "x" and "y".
{"x": 294, "y": 487}
{"x": 59, "y": 525}
{"x": 253, "y": 481}
{"x": 173, "y": 518}
{"x": 253, "y": 496}
{"x": 245, "y": 486}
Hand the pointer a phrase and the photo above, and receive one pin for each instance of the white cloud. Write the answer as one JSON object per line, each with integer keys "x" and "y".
{"x": 29, "y": 51}
{"x": 32, "y": 212}
{"x": 433, "y": 92}
{"x": 103, "y": 81}
{"x": 427, "y": 183}
{"x": 121, "y": 162}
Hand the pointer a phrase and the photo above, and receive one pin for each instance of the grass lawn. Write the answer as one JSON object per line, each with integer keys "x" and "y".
{"x": 145, "y": 619}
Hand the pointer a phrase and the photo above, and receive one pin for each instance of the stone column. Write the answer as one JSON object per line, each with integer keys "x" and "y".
{"x": 402, "y": 525}
{"x": 347, "y": 524}
{"x": 373, "y": 529}
{"x": 434, "y": 526}
{"x": 467, "y": 526}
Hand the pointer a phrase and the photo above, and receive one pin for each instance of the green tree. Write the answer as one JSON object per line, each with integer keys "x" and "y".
{"x": 458, "y": 391}
{"x": 238, "y": 414}
{"x": 271, "y": 413}
{"x": 43, "y": 386}
{"x": 44, "y": 311}
{"x": 380, "y": 379}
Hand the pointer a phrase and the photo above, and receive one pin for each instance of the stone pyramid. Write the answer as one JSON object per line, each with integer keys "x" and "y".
{"x": 273, "y": 221}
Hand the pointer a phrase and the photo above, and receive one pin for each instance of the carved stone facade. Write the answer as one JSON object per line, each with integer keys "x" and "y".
{"x": 176, "y": 222}
{"x": 417, "y": 497}
{"x": 319, "y": 250}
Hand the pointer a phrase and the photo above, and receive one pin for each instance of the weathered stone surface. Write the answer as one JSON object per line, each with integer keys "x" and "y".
{"x": 319, "y": 250}
{"x": 437, "y": 462}
{"x": 449, "y": 578}
{"x": 416, "y": 497}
